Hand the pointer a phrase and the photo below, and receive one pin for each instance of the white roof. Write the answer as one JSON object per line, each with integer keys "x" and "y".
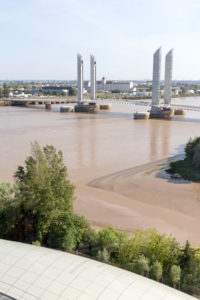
{"x": 31, "y": 272}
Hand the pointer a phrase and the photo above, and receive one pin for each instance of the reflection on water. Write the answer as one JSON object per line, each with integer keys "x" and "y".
{"x": 108, "y": 140}
{"x": 159, "y": 139}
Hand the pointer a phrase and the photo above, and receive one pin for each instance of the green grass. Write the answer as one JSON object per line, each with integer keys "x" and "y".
{"x": 153, "y": 169}
{"x": 185, "y": 169}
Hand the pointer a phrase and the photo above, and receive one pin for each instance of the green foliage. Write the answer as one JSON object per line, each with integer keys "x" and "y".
{"x": 43, "y": 192}
{"x": 175, "y": 274}
{"x": 189, "y": 168}
{"x": 116, "y": 91}
{"x": 5, "y": 194}
{"x": 72, "y": 91}
{"x": 154, "y": 246}
{"x": 103, "y": 255}
{"x": 110, "y": 238}
{"x": 68, "y": 232}
{"x": 196, "y": 157}
{"x": 142, "y": 265}
{"x": 36, "y": 243}
{"x": 39, "y": 210}
{"x": 191, "y": 147}
{"x": 156, "y": 270}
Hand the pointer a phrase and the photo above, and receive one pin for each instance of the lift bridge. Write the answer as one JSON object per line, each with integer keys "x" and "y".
{"x": 132, "y": 103}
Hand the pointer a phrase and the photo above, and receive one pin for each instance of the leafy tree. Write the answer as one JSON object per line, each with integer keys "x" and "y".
{"x": 131, "y": 249}
{"x": 156, "y": 270}
{"x": 5, "y": 193}
{"x": 6, "y": 91}
{"x": 7, "y": 210}
{"x": 110, "y": 238}
{"x": 196, "y": 158}
{"x": 43, "y": 192}
{"x": 190, "y": 148}
{"x": 142, "y": 265}
{"x": 72, "y": 91}
{"x": 116, "y": 91}
{"x": 188, "y": 253}
{"x": 68, "y": 231}
{"x": 162, "y": 248}
{"x": 175, "y": 275}
{"x": 103, "y": 255}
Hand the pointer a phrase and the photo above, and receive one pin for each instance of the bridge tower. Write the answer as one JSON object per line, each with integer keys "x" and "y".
{"x": 92, "y": 77}
{"x": 80, "y": 77}
{"x": 168, "y": 77}
{"x": 156, "y": 78}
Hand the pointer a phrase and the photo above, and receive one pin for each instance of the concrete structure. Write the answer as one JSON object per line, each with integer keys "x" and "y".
{"x": 30, "y": 272}
{"x": 179, "y": 112}
{"x": 111, "y": 85}
{"x": 66, "y": 109}
{"x": 141, "y": 115}
{"x": 161, "y": 113}
{"x": 156, "y": 77}
{"x": 90, "y": 107}
{"x": 48, "y": 105}
{"x": 80, "y": 77}
{"x": 92, "y": 77}
{"x": 105, "y": 106}
{"x": 168, "y": 77}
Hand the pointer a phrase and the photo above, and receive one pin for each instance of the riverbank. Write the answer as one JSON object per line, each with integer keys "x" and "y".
{"x": 144, "y": 197}
{"x": 5, "y": 103}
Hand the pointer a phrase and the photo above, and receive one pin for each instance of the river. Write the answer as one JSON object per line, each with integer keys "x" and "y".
{"x": 96, "y": 145}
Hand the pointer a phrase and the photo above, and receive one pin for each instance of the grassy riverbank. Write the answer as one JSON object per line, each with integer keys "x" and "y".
{"x": 189, "y": 168}
{"x": 5, "y": 103}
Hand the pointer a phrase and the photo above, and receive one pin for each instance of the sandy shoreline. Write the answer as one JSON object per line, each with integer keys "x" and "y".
{"x": 143, "y": 197}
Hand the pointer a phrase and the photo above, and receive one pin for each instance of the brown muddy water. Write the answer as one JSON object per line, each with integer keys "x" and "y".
{"x": 107, "y": 142}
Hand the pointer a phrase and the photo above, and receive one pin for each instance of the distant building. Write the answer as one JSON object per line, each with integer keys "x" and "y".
{"x": 176, "y": 91}
{"x": 112, "y": 85}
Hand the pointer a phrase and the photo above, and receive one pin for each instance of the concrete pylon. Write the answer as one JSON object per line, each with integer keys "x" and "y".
{"x": 168, "y": 77}
{"x": 80, "y": 77}
{"x": 156, "y": 77}
{"x": 92, "y": 77}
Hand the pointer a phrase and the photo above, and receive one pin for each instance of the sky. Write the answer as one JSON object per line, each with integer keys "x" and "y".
{"x": 40, "y": 39}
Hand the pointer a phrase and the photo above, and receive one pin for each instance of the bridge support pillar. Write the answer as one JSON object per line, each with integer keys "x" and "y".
{"x": 48, "y": 106}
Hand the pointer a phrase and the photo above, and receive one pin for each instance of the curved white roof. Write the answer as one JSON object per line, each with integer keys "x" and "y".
{"x": 30, "y": 272}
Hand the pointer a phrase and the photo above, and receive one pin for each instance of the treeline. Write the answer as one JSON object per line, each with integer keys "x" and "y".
{"x": 38, "y": 209}
{"x": 189, "y": 168}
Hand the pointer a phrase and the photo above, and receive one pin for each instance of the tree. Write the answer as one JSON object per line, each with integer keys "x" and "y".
{"x": 190, "y": 148}
{"x": 68, "y": 232}
{"x": 6, "y": 91}
{"x": 44, "y": 194}
{"x": 8, "y": 210}
{"x": 143, "y": 265}
{"x": 116, "y": 91}
{"x": 103, "y": 255}
{"x": 156, "y": 270}
{"x": 110, "y": 238}
{"x": 188, "y": 253}
{"x": 196, "y": 158}
{"x": 5, "y": 193}
{"x": 175, "y": 275}
{"x": 72, "y": 91}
